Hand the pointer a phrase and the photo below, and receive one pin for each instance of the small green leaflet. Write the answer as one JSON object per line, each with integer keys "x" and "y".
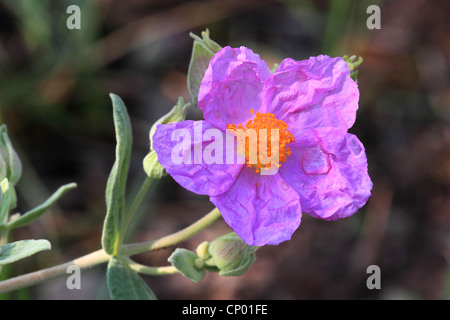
{"x": 12, "y": 252}
{"x": 184, "y": 261}
{"x": 116, "y": 186}
{"x": 203, "y": 51}
{"x": 126, "y": 284}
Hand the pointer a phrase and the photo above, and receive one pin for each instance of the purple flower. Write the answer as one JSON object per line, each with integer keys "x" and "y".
{"x": 322, "y": 169}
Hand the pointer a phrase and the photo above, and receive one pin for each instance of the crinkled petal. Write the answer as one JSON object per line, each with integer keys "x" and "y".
{"x": 232, "y": 86}
{"x": 329, "y": 171}
{"x": 260, "y": 209}
{"x": 312, "y": 93}
{"x": 194, "y": 154}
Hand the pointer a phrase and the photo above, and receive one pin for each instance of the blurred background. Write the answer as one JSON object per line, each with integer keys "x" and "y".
{"x": 54, "y": 86}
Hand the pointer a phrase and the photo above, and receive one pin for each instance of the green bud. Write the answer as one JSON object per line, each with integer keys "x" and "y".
{"x": 177, "y": 114}
{"x": 202, "y": 52}
{"x": 231, "y": 255}
{"x": 10, "y": 165}
{"x": 202, "y": 250}
{"x": 152, "y": 167}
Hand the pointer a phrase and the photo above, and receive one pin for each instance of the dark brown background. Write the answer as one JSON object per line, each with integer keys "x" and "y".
{"x": 54, "y": 86}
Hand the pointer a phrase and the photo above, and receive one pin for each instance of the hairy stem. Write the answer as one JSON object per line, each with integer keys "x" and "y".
{"x": 154, "y": 271}
{"x": 167, "y": 241}
{"x": 87, "y": 261}
{"x": 133, "y": 209}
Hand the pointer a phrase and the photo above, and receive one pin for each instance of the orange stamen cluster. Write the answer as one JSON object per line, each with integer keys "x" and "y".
{"x": 266, "y": 121}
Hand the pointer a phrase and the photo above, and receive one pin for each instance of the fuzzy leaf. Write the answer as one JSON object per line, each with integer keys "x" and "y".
{"x": 12, "y": 252}
{"x": 126, "y": 284}
{"x": 116, "y": 186}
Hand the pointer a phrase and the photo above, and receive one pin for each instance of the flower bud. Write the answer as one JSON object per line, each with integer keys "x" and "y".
{"x": 10, "y": 165}
{"x": 202, "y": 250}
{"x": 231, "y": 255}
{"x": 152, "y": 167}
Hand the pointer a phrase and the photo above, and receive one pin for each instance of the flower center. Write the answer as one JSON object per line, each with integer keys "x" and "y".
{"x": 263, "y": 140}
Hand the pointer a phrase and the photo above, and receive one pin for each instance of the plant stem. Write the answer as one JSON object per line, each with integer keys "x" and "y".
{"x": 167, "y": 241}
{"x": 154, "y": 271}
{"x": 100, "y": 256}
{"x": 87, "y": 261}
{"x": 133, "y": 209}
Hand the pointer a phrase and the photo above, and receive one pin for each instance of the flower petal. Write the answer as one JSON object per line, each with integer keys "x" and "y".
{"x": 260, "y": 209}
{"x": 232, "y": 86}
{"x": 194, "y": 154}
{"x": 328, "y": 169}
{"x": 312, "y": 93}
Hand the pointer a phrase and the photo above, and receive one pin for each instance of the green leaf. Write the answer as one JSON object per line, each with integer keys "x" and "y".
{"x": 116, "y": 186}
{"x": 126, "y": 284}
{"x": 186, "y": 262}
{"x": 5, "y": 200}
{"x": 35, "y": 213}
{"x": 12, "y": 252}
{"x": 203, "y": 50}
